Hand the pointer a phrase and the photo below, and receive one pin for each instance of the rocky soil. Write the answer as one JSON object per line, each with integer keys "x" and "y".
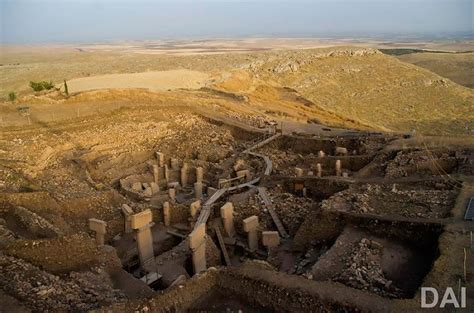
{"x": 421, "y": 162}
{"x": 291, "y": 210}
{"x": 42, "y": 291}
{"x": 363, "y": 270}
{"x": 392, "y": 200}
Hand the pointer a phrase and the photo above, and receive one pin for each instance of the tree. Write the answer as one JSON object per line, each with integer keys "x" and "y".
{"x": 66, "y": 90}
{"x": 12, "y": 96}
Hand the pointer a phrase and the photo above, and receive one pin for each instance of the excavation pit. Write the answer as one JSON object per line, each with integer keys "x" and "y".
{"x": 386, "y": 266}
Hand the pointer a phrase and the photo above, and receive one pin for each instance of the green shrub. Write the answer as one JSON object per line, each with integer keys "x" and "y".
{"x": 12, "y": 96}
{"x": 42, "y": 85}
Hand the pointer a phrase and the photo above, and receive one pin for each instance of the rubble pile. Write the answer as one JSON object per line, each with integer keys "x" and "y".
{"x": 305, "y": 262}
{"x": 10, "y": 181}
{"x": 35, "y": 224}
{"x": 363, "y": 270}
{"x": 253, "y": 205}
{"x": 419, "y": 161}
{"x": 285, "y": 161}
{"x": 43, "y": 291}
{"x": 292, "y": 210}
{"x": 382, "y": 199}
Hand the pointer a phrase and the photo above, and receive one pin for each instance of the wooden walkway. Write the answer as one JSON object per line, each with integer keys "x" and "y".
{"x": 217, "y": 229}
{"x": 207, "y": 206}
{"x": 262, "y": 192}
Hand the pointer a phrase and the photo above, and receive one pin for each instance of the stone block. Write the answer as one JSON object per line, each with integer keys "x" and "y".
{"x": 154, "y": 187}
{"x": 298, "y": 172}
{"x": 227, "y": 215}
{"x": 147, "y": 192}
{"x": 156, "y": 173}
{"x": 341, "y": 151}
{"x": 161, "y": 159}
{"x": 97, "y": 225}
{"x": 250, "y": 223}
{"x": 166, "y": 213}
{"x": 194, "y": 208}
{"x": 127, "y": 214}
{"x": 174, "y": 163}
{"x": 197, "y": 237}
{"x": 245, "y": 173}
{"x": 141, "y": 219}
{"x": 198, "y": 190}
{"x": 199, "y": 174}
{"x": 137, "y": 186}
{"x": 270, "y": 239}
{"x": 172, "y": 193}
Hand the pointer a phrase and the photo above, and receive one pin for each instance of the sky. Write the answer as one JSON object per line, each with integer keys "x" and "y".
{"x": 57, "y": 21}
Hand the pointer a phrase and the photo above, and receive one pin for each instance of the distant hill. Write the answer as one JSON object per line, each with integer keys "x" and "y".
{"x": 458, "y": 67}
{"x": 340, "y": 86}
{"x": 371, "y": 88}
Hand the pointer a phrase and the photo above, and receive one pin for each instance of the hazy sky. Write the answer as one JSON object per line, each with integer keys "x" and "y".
{"x": 33, "y": 21}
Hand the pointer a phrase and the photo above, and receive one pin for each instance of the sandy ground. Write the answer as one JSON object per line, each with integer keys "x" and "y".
{"x": 191, "y": 47}
{"x": 154, "y": 81}
{"x": 243, "y": 45}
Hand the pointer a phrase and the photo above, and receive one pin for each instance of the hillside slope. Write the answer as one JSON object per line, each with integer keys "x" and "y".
{"x": 373, "y": 89}
{"x": 340, "y": 86}
{"x": 458, "y": 67}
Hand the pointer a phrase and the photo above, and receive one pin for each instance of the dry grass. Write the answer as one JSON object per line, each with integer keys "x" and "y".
{"x": 457, "y": 67}
{"x": 343, "y": 87}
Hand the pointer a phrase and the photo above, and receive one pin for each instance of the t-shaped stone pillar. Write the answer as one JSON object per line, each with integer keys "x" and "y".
{"x": 142, "y": 223}
{"x": 156, "y": 173}
{"x": 194, "y": 209}
{"x": 270, "y": 239}
{"x": 127, "y": 215}
{"x": 166, "y": 213}
{"x": 298, "y": 172}
{"x": 199, "y": 174}
{"x": 245, "y": 173}
{"x": 167, "y": 173}
{"x": 198, "y": 190}
{"x": 184, "y": 175}
{"x": 161, "y": 159}
{"x": 341, "y": 151}
{"x": 197, "y": 244}
{"x": 100, "y": 228}
{"x": 227, "y": 215}
{"x": 321, "y": 154}
{"x": 174, "y": 164}
{"x": 319, "y": 170}
{"x": 338, "y": 168}
{"x": 250, "y": 227}
{"x": 172, "y": 194}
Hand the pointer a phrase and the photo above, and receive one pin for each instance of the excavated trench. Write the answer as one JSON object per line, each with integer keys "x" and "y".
{"x": 400, "y": 253}
{"x": 409, "y": 248}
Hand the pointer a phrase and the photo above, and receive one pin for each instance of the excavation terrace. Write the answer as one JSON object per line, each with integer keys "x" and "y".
{"x": 222, "y": 214}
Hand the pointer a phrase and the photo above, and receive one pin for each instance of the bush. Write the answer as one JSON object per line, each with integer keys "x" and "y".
{"x": 12, "y": 96}
{"x": 42, "y": 85}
